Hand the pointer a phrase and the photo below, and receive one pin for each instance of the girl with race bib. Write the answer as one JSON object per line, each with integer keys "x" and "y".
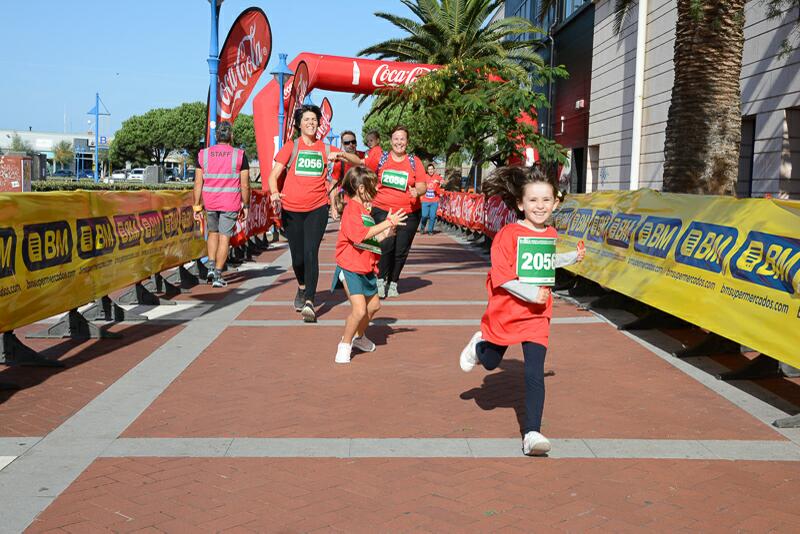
{"x": 303, "y": 203}
{"x": 357, "y": 253}
{"x": 401, "y": 181}
{"x": 520, "y": 304}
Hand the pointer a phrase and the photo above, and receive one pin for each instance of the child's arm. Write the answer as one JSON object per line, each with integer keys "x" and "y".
{"x": 392, "y": 221}
{"x": 527, "y": 292}
{"x": 569, "y": 258}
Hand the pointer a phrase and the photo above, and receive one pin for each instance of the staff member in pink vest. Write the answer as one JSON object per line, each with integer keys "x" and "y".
{"x": 304, "y": 203}
{"x": 223, "y": 183}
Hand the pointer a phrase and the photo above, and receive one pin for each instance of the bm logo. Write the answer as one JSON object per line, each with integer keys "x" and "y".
{"x": 706, "y": 245}
{"x": 580, "y": 222}
{"x": 656, "y": 235}
{"x": 621, "y": 229}
{"x": 8, "y": 251}
{"x": 96, "y": 237}
{"x": 46, "y": 245}
{"x": 768, "y": 260}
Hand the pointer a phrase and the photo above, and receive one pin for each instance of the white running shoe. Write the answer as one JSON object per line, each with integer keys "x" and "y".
{"x": 343, "y": 353}
{"x": 392, "y": 290}
{"x": 469, "y": 358}
{"x": 535, "y": 444}
{"x": 381, "y": 288}
{"x": 364, "y": 344}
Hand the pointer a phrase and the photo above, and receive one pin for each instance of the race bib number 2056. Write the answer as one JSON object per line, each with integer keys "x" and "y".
{"x": 309, "y": 163}
{"x": 536, "y": 260}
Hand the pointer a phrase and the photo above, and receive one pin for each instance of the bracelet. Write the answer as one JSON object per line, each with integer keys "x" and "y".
{"x": 197, "y": 208}
{"x": 246, "y": 206}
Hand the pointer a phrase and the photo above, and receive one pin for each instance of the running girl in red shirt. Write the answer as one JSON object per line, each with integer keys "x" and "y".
{"x": 519, "y": 312}
{"x": 357, "y": 252}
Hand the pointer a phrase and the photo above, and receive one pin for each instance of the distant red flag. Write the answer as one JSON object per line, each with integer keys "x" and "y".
{"x": 296, "y": 98}
{"x": 242, "y": 60}
{"x": 327, "y": 117}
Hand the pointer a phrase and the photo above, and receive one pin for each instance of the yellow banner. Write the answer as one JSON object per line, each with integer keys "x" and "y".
{"x": 729, "y": 266}
{"x": 59, "y": 251}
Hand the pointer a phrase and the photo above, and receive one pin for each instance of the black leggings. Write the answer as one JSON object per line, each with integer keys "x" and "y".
{"x": 491, "y": 355}
{"x": 394, "y": 251}
{"x": 304, "y": 230}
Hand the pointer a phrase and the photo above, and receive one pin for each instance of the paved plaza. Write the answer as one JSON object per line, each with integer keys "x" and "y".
{"x": 225, "y": 413}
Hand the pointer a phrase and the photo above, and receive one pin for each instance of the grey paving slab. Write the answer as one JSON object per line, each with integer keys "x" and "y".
{"x": 183, "y": 447}
{"x": 268, "y": 323}
{"x": 47, "y": 468}
{"x": 290, "y": 447}
{"x": 16, "y": 446}
{"x": 410, "y": 448}
{"x": 389, "y": 303}
{"x": 753, "y": 450}
{"x": 648, "y": 448}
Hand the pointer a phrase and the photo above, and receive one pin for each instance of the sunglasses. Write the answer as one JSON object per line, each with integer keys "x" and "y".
{"x": 353, "y": 142}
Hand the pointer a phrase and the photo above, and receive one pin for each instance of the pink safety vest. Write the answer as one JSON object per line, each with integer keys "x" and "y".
{"x": 221, "y": 182}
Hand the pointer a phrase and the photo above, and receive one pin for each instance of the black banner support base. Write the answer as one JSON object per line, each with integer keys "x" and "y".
{"x": 169, "y": 289}
{"x": 105, "y": 309}
{"x": 183, "y": 278}
{"x": 787, "y": 422}
{"x": 74, "y": 326}
{"x": 653, "y": 319}
{"x": 15, "y": 352}
{"x": 584, "y": 287}
{"x": 761, "y": 366}
{"x": 710, "y": 344}
{"x": 142, "y": 295}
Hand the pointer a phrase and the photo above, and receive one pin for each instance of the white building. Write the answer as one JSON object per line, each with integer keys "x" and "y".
{"x": 770, "y": 155}
{"x": 45, "y": 143}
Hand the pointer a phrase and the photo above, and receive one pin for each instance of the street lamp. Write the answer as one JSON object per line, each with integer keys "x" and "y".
{"x": 332, "y": 137}
{"x": 281, "y": 73}
{"x": 213, "y": 68}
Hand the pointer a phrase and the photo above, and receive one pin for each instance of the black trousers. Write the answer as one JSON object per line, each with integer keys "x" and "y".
{"x": 490, "y": 356}
{"x": 394, "y": 251}
{"x": 304, "y": 230}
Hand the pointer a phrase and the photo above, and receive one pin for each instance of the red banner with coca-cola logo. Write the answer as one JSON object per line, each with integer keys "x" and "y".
{"x": 259, "y": 219}
{"x": 475, "y": 212}
{"x": 243, "y": 58}
{"x": 327, "y": 116}
{"x": 296, "y": 99}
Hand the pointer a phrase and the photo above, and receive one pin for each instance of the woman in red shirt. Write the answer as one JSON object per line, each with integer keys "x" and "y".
{"x": 401, "y": 181}
{"x": 357, "y": 253}
{"x": 519, "y": 311}
{"x": 303, "y": 203}
{"x": 430, "y": 200}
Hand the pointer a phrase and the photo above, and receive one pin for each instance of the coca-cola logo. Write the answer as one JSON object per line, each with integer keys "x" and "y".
{"x": 236, "y": 78}
{"x": 385, "y": 76}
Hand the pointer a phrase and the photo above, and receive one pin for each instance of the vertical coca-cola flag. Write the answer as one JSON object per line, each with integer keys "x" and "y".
{"x": 242, "y": 60}
{"x": 327, "y": 116}
{"x": 296, "y": 98}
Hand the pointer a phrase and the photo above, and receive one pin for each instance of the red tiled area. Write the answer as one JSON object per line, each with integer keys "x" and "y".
{"x": 427, "y": 495}
{"x": 283, "y": 383}
{"x": 49, "y": 396}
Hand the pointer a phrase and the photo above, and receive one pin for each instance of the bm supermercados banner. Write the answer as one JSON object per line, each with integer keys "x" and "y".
{"x": 729, "y": 266}
{"x": 61, "y": 250}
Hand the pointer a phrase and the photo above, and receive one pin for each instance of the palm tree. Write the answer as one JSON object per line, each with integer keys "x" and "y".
{"x": 703, "y": 132}
{"x": 458, "y": 30}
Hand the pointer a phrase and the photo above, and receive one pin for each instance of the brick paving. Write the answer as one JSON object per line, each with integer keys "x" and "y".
{"x": 281, "y": 382}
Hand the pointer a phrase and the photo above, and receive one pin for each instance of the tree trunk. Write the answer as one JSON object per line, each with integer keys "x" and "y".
{"x": 704, "y": 123}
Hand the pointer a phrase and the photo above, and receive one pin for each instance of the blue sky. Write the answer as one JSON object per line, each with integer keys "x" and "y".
{"x": 152, "y": 53}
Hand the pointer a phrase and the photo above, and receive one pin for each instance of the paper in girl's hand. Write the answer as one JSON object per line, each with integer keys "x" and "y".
{"x": 581, "y": 247}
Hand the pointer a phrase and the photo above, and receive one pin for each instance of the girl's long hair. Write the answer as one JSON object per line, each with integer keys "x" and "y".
{"x": 509, "y": 182}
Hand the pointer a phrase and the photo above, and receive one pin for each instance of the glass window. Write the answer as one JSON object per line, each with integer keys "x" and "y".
{"x": 570, "y": 6}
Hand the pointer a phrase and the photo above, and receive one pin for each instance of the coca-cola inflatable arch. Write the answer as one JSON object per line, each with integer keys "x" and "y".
{"x": 331, "y": 73}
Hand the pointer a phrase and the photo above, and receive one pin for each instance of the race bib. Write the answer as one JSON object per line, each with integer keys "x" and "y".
{"x": 536, "y": 260}
{"x": 395, "y": 179}
{"x": 309, "y": 163}
{"x": 372, "y": 243}
{"x": 430, "y": 193}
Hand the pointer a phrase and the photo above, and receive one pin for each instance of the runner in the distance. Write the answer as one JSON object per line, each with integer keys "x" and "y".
{"x": 430, "y": 200}
{"x": 304, "y": 203}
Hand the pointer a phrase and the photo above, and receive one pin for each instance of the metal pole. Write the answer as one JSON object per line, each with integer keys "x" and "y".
{"x": 96, "y": 134}
{"x": 213, "y": 67}
{"x": 281, "y": 111}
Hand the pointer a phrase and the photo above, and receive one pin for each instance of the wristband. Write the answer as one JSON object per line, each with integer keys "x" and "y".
{"x": 197, "y": 208}
{"x": 246, "y": 206}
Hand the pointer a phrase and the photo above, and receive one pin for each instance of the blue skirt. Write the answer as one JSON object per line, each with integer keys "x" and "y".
{"x": 358, "y": 284}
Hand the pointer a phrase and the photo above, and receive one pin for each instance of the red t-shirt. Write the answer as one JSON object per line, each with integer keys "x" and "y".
{"x": 434, "y": 188}
{"x": 509, "y": 320}
{"x": 305, "y": 188}
{"x": 352, "y": 252}
{"x": 395, "y": 181}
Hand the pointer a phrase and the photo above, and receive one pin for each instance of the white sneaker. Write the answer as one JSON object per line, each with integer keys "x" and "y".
{"x": 469, "y": 358}
{"x": 381, "y": 288}
{"x": 364, "y": 344}
{"x": 392, "y": 290}
{"x": 343, "y": 353}
{"x": 535, "y": 444}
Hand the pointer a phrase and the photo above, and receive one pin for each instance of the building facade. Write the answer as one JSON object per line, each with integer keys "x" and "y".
{"x": 46, "y": 142}
{"x": 770, "y": 152}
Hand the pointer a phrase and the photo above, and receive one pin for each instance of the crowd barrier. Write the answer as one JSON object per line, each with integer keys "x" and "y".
{"x": 62, "y": 250}
{"x": 730, "y": 266}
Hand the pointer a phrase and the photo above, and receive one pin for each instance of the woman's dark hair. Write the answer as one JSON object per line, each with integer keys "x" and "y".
{"x": 400, "y": 128}
{"x": 224, "y": 132}
{"x": 358, "y": 176}
{"x": 298, "y": 115}
{"x": 510, "y": 182}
